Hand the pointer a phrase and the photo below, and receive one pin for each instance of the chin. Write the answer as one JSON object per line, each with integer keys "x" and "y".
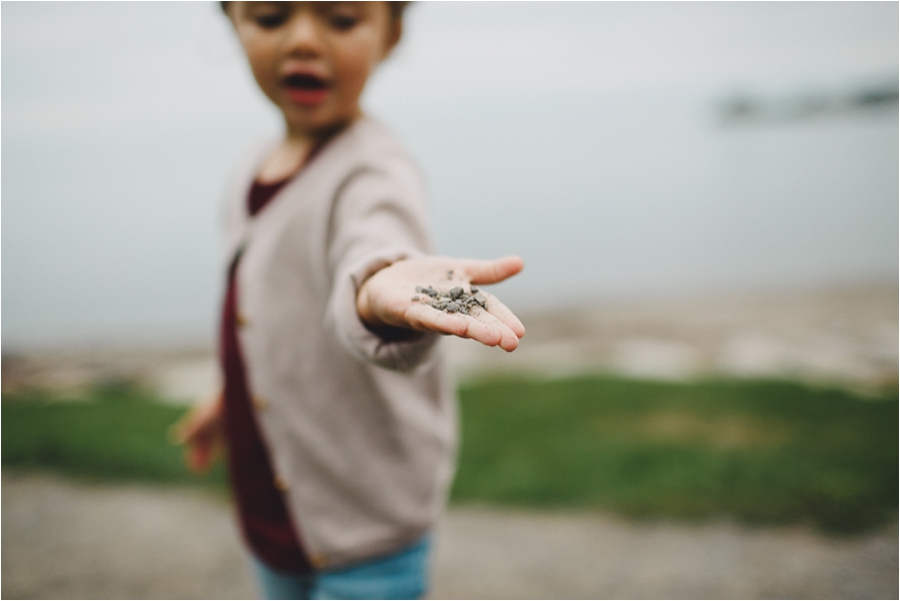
{"x": 323, "y": 115}
{"x": 314, "y": 124}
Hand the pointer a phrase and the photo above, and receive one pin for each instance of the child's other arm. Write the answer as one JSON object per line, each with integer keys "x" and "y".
{"x": 200, "y": 431}
{"x": 392, "y": 297}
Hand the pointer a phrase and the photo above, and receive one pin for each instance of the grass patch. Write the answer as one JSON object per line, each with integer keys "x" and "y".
{"x": 115, "y": 434}
{"x": 759, "y": 452}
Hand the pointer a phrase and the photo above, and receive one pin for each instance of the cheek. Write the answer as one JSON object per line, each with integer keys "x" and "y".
{"x": 263, "y": 66}
{"x": 355, "y": 65}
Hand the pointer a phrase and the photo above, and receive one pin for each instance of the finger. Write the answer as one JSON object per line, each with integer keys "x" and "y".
{"x": 481, "y": 331}
{"x": 496, "y": 315}
{"x": 481, "y": 322}
{"x": 202, "y": 420}
{"x": 491, "y": 272}
{"x": 484, "y": 328}
{"x": 186, "y": 430}
{"x": 203, "y": 454}
{"x": 503, "y": 313}
{"x": 509, "y": 340}
{"x": 199, "y": 458}
{"x": 423, "y": 317}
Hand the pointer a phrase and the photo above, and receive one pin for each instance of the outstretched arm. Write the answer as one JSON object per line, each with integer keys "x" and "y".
{"x": 402, "y": 295}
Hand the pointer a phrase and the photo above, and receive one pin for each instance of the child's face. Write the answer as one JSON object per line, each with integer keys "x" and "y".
{"x": 312, "y": 59}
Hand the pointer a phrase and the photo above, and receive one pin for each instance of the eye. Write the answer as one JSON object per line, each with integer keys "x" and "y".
{"x": 343, "y": 22}
{"x": 271, "y": 20}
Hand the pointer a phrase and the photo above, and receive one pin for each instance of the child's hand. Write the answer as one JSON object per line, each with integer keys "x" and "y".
{"x": 200, "y": 431}
{"x": 386, "y": 299}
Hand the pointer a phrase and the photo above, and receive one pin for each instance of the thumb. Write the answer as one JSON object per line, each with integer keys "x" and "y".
{"x": 492, "y": 272}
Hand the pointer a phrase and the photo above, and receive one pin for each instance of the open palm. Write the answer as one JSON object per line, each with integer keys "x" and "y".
{"x": 387, "y": 298}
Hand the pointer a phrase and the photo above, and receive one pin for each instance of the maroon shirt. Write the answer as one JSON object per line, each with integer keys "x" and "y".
{"x": 264, "y": 519}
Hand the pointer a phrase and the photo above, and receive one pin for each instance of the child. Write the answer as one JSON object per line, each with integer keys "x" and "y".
{"x": 337, "y": 413}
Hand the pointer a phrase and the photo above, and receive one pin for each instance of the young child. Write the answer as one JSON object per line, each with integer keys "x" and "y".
{"x": 337, "y": 414}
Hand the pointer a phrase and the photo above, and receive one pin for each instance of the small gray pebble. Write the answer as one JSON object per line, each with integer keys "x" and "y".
{"x": 457, "y": 300}
{"x": 415, "y": 299}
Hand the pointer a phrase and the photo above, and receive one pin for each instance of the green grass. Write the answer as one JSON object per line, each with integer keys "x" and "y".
{"x": 758, "y": 452}
{"x": 118, "y": 433}
{"x": 761, "y": 452}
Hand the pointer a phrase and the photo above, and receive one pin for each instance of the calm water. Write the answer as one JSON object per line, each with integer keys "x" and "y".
{"x": 636, "y": 208}
{"x": 596, "y": 157}
{"x": 673, "y": 204}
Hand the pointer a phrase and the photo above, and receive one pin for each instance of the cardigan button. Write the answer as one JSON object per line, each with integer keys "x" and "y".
{"x": 241, "y": 320}
{"x": 259, "y": 402}
{"x": 280, "y": 483}
{"x": 318, "y": 561}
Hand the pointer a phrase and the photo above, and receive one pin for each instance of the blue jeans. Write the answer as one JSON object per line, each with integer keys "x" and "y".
{"x": 402, "y": 575}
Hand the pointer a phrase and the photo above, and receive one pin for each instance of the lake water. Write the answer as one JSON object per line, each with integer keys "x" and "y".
{"x": 598, "y": 158}
{"x": 667, "y": 202}
{"x": 642, "y": 207}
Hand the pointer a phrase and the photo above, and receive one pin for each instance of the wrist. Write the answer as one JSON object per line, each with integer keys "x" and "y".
{"x": 364, "y": 309}
{"x": 376, "y": 325}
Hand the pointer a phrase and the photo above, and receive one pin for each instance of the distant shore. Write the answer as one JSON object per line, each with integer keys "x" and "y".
{"x": 845, "y": 337}
{"x": 842, "y": 336}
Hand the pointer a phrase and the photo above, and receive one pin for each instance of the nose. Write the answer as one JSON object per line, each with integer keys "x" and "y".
{"x": 304, "y": 35}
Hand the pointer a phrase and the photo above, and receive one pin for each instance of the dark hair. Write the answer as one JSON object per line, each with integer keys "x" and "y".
{"x": 396, "y": 8}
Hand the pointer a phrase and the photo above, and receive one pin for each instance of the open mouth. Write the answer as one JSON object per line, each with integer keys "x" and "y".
{"x": 305, "y": 89}
{"x": 305, "y": 82}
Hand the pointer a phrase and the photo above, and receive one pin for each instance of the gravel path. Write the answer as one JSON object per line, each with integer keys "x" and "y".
{"x": 63, "y": 539}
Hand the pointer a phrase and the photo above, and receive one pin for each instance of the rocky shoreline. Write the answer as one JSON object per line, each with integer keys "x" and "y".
{"x": 844, "y": 337}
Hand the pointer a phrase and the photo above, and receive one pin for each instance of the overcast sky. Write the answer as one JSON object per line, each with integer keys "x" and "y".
{"x": 579, "y": 135}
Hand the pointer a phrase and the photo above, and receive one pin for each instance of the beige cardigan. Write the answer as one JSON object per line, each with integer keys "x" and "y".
{"x": 361, "y": 432}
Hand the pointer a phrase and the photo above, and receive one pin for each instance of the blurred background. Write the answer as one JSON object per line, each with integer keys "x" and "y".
{"x": 706, "y": 199}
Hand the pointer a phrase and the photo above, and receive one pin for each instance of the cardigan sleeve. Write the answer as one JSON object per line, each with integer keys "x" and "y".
{"x": 378, "y": 217}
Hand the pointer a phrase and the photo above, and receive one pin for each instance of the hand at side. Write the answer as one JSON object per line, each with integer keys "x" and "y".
{"x": 200, "y": 431}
